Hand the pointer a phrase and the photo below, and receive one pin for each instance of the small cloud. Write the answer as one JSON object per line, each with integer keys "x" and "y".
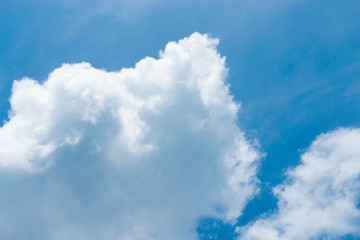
{"x": 320, "y": 196}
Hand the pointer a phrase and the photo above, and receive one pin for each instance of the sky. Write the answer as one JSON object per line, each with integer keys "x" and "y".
{"x": 142, "y": 120}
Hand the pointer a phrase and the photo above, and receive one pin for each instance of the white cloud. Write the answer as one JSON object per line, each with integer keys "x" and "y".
{"x": 167, "y": 126}
{"x": 321, "y": 196}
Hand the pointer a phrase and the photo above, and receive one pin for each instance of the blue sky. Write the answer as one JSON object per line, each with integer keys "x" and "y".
{"x": 293, "y": 65}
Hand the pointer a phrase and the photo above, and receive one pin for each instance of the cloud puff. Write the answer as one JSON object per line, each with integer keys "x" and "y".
{"x": 321, "y": 196}
{"x": 147, "y": 150}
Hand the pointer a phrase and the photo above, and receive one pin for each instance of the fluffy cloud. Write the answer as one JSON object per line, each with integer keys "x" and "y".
{"x": 141, "y": 153}
{"x": 321, "y": 196}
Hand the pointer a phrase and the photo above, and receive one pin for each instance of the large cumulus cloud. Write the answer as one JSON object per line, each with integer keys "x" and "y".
{"x": 141, "y": 153}
{"x": 321, "y": 196}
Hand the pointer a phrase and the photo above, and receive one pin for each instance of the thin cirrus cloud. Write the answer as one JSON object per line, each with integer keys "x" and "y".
{"x": 321, "y": 196}
{"x": 167, "y": 127}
